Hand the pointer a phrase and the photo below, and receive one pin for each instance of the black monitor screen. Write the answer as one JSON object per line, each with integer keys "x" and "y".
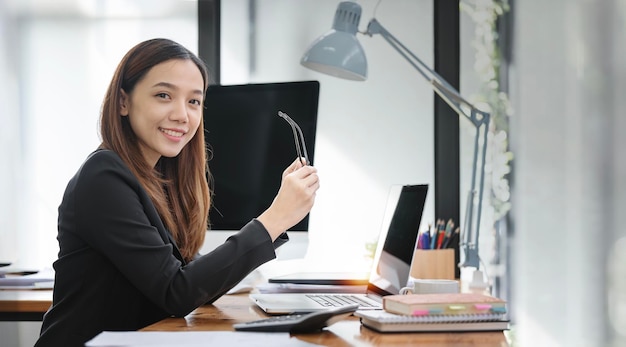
{"x": 250, "y": 145}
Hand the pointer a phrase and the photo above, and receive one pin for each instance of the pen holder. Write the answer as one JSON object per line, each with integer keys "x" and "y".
{"x": 433, "y": 264}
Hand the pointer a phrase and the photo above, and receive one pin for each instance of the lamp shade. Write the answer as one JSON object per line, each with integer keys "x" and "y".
{"x": 338, "y": 52}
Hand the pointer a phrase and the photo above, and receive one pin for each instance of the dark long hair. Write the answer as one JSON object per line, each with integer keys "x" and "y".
{"x": 178, "y": 186}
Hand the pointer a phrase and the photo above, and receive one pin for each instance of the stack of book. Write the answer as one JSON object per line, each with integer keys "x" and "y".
{"x": 437, "y": 312}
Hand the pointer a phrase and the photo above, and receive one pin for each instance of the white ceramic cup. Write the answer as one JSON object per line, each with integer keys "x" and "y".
{"x": 420, "y": 286}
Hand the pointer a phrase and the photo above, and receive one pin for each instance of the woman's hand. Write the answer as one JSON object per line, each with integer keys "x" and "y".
{"x": 294, "y": 200}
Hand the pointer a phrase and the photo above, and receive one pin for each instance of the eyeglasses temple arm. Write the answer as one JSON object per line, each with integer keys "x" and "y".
{"x": 298, "y": 137}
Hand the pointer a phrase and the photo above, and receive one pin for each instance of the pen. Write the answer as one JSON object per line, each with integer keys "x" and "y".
{"x": 440, "y": 238}
{"x": 433, "y": 236}
{"x": 425, "y": 238}
{"x": 440, "y": 233}
{"x": 21, "y": 273}
{"x": 448, "y": 233}
{"x": 453, "y": 241}
{"x": 419, "y": 240}
{"x": 449, "y": 226}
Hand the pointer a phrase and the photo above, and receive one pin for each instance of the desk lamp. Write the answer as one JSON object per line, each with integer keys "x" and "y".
{"x": 338, "y": 53}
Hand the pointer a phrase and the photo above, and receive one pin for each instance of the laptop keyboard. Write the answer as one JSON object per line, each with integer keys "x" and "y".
{"x": 340, "y": 300}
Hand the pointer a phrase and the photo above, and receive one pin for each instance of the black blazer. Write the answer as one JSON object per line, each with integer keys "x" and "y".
{"x": 118, "y": 267}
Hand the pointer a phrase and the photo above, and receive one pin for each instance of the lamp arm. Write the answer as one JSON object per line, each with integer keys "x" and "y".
{"x": 462, "y": 107}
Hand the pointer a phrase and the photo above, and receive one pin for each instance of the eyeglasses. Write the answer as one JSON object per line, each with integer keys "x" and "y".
{"x": 298, "y": 138}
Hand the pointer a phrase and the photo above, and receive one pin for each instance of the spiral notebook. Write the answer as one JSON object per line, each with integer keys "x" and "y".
{"x": 384, "y": 321}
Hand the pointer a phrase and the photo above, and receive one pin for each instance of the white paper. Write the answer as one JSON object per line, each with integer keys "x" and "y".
{"x": 43, "y": 279}
{"x": 194, "y": 338}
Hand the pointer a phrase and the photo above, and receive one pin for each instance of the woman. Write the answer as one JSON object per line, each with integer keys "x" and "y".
{"x": 135, "y": 214}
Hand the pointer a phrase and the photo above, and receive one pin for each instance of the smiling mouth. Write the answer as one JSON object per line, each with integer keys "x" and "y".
{"x": 172, "y": 132}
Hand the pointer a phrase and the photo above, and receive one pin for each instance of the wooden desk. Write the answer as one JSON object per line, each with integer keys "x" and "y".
{"x": 24, "y": 305}
{"x": 238, "y": 308}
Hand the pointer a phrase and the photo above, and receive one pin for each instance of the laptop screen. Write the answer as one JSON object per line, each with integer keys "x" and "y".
{"x": 398, "y": 236}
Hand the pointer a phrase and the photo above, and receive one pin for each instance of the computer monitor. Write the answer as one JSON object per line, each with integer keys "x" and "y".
{"x": 250, "y": 145}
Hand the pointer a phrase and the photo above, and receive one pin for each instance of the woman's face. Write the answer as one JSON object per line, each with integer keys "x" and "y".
{"x": 165, "y": 108}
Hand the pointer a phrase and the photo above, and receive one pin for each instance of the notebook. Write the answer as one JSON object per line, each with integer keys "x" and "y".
{"x": 390, "y": 268}
{"x": 384, "y": 321}
{"x": 443, "y": 304}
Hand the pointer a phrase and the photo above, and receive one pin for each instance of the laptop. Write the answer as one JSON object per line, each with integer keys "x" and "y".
{"x": 323, "y": 278}
{"x": 390, "y": 268}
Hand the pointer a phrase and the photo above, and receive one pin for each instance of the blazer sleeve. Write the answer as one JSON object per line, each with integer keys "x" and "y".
{"x": 113, "y": 217}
